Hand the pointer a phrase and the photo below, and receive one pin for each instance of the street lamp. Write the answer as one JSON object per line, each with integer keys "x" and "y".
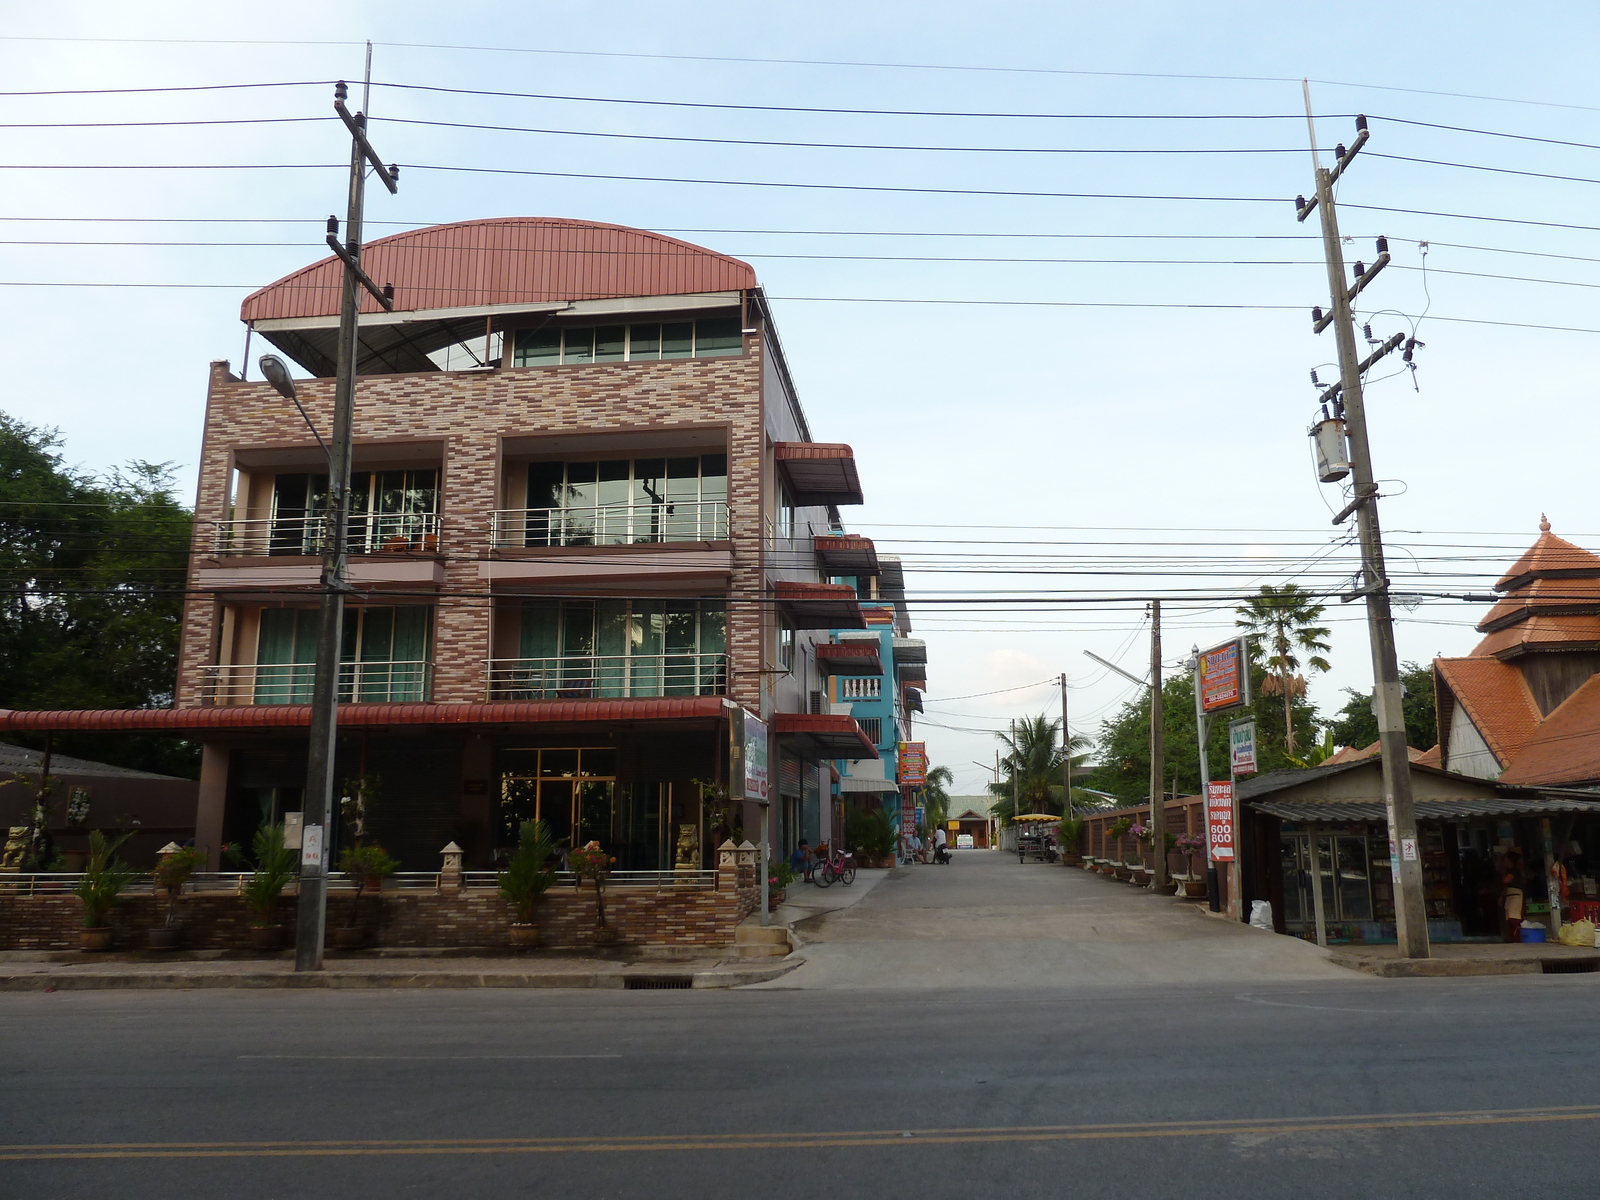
{"x": 276, "y": 373}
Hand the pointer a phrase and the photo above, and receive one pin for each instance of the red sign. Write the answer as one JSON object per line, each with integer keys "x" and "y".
{"x": 908, "y": 819}
{"x": 1224, "y": 677}
{"x": 913, "y": 764}
{"x": 1219, "y": 820}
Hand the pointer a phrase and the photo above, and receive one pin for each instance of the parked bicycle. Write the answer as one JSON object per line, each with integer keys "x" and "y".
{"x": 833, "y": 865}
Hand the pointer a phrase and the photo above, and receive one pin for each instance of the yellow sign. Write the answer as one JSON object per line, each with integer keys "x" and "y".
{"x": 953, "y": 824}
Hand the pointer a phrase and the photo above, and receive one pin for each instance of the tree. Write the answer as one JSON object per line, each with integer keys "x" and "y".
{"x": 91, "y": 593}
{"x": 1357, "y": 725}
{"x": 1033, "y": 763}
{"x": 936, "y": 797}
{"x": 1283, "y": 619}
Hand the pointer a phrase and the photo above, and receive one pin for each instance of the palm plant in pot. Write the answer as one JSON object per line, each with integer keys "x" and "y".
{"x": 369, "y": 866}
{"x": 104, "y": 877}
{"x": 1071, "y": 832}
{"x": 171, "y": 873}
{"x": 275, "y": 864}
{"x": 594, "y": 864}
{"x": 527, "y": 877}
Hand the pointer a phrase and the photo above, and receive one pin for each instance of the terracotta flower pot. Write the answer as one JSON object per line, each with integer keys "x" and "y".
{"x": 605, "y": 936}
{"x": 162, "y": 937}
{"x": 524, "y": 937}
{"x": 1195, "y": 889}
{"x": 266, "y": 937}
{"x": 97, "y": 937}
{"x": 774, "y": 898}
{"x": 346, "y": 938}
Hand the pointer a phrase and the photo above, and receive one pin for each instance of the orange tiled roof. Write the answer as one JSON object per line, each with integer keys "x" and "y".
{"x": 1573, "y": 631}
{"x": 1566, "y": 747}
{"x": 1350, "y": 754}
{"x": 1429, "y": 758}
{"x": 1543, "y": 596}
{"x": 1495, "y": 697}
{"x": 1550, "y": 556}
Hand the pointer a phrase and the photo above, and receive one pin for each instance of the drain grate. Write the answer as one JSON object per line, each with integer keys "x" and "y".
{"x": 1569, "y": 966}
{"x": 655, "y": 983}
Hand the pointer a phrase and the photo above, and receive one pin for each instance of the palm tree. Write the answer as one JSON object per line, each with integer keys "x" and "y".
{"x": 936, "y": 797}
{"x": 1033, "y": 762}
{"x": 1282, "y": 619}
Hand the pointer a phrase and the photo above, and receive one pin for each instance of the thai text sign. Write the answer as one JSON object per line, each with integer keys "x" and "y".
{"x": 1242, "y": 747}
{"x": 913, "y": 764}
{"x": 1219, "y": 820}
{"x": 757, "y": 777}
{"x": 1224, "y": 677}
{"x": 908, "y": 819}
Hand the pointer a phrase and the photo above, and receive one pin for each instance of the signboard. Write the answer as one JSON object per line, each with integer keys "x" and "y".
{"x": 1219, "y": 820}
{"x": 311, "y": 853}
{"x": 908, "y": 819}
{"x": 757, "y": 776}
{"x": 293, "y": 822}
{"x": 1242, "y": 747}
{"x": 913, "y": 764}
{"x": 1224, "y": 677}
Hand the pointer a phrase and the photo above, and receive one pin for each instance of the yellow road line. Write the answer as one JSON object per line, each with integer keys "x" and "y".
{"x": 660, "y": 1143}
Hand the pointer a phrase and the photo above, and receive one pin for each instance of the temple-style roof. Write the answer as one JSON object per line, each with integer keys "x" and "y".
{"x": 1550, "y": 558}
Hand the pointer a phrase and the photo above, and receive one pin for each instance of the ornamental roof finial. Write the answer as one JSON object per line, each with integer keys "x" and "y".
{"x": 1544, "y": 523}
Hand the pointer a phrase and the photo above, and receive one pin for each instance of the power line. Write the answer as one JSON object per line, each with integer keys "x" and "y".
{"x": 194, "y": 87}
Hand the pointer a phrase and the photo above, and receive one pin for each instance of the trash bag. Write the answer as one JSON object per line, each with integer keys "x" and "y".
{"x": 1579, "y": 933}
{"x": 1261, "y": 914}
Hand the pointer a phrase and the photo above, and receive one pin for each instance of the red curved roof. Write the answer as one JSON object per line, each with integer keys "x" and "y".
{"x": 508, "y": 260}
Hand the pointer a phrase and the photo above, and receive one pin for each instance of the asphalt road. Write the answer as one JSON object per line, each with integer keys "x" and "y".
{"x": 1339, "y": 1085}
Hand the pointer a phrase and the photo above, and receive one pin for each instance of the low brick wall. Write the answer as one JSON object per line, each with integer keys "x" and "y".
{"x": 643, "y": 916}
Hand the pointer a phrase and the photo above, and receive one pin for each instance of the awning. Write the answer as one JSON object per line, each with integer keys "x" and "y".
{"x": 849, "y": 658}
{"x": 817, "y": 473}
{"x": 913, "y": 700}
{"x": 912, "y": 672}
{"x": 846, "y": 553}
{"x": 1313, "y": 812}
{"x": 867, "y": 786}
{"x": 819, "y": 605}
{"x": 823, "y": 735}
{"x": 244, "y": 717}
{"x": 910, "y": 650}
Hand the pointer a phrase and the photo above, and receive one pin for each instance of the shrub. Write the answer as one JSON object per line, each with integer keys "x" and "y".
{"x": 104, "y": 878}
{"x": 275, "y": 864}
{"x": 527, "y": 877}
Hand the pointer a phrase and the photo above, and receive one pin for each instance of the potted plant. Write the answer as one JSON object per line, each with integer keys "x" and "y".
{"x": 526, "y": 878}
{"x": 171, "y": 873}
{"x": 594, "y": 864}
{"x": 1188, "y": 845}
{"x": 1116, "y": 831}
{"x": 104, "y": 877}
{"x": 778, "y": 882}
{"x": 275, "y": 865}
{"x": 369, "y": 866}
{"x": 1071, "y": 832}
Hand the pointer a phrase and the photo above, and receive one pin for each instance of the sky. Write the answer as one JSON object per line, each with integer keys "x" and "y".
{"x": 1061, "y": 403}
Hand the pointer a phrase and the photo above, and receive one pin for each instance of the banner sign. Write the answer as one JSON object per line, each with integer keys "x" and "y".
{"x": 757, "y": 778}
{"x": 1219, "y": 820}
{"x": 908, "y": 819}
{"x": 1224, "y": 677}
{"x": 913, "y": 764}
{"x": 1242, "y": 747}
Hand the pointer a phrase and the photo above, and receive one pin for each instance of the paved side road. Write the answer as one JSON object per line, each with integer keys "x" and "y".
{"x": 988, "y": 921}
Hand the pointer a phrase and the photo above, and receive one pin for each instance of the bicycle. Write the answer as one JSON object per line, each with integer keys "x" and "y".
{"x": 832, "y": 865}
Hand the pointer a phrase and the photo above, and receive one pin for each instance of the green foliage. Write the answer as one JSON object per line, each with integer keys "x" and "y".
{"x": 104, "y": 878}
{"x": 1119, "y": 827}
{"x": 936, "y": 796}
{"x": 1033, "y": 768}
{"x": 782, "y": 874}
{"x": 89, "y": 616}
{"x": 1071, "y": 831}
{"x": 371, "y": 865}
{"x": 1318, "y": 754}
{"x": 1283, "y": 622}
{"x": 173, "y": 871}
{"x": 872, "y": 832}
{"x": 1355, "y": 725}
{"x": 527, "y": 875}
{"x": 275, "y": 865}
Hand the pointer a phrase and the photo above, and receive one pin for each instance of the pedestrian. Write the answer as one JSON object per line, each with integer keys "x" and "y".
{"x": 1511, "y": 893}
{"x": 801, "y": 861}
{"x": 941, "y": 852}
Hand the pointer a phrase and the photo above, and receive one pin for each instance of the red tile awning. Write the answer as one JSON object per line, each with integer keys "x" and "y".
{"x": 818, "y": 605}
{"x": 847, "y": 553}
{"x": 823, "y": 735}
{"x": 849, "y": 658}
{"x": 817, "y": 473}
{"x": 244, "y": 717}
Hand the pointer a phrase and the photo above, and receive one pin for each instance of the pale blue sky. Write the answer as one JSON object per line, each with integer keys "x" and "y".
{"x": 999, "y": 427}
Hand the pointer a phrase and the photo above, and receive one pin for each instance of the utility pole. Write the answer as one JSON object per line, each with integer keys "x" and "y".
{"x": 311, "y": 919}
{"x": 1016, "y": 810}
{"x": 1411, "y": 922}
{"x": 1202, "y": 724}
{"x": 1066, "y": 753}
{"x": 1158, "y": 785}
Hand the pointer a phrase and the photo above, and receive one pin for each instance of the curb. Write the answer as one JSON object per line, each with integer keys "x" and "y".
{"x": 715, "y": 977}
{"x": 1446, "y": 968}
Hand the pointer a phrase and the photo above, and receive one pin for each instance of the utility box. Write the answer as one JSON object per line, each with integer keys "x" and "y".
{"x": 1332, "y": 451}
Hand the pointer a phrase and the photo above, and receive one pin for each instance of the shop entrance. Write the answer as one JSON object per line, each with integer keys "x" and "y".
{"x": 1346, "y": 881}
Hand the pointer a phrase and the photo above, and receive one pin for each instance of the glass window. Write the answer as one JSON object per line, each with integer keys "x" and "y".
{"x": 785, "y": 646}
{"x": 644, "y": 342}
{"x": 717, "y": 337}
{"x": 560, "y": 764}
{"x": 578, "y": 346}
{"x": 677, "y": 339}
{"x": 610, "y": 343}
{"x": 600, "y": 762}
{"x": 536, "y": 348}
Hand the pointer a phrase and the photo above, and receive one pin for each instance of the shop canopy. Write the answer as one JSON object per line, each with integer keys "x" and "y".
{"x": 817, "y": 473}
{"x": 849, "y": 658}
{"x": 846, "y": 553}
{"x": 1315, "y": 812}
{"x": 818, "y": 605}
{"x": 815, "y": 736}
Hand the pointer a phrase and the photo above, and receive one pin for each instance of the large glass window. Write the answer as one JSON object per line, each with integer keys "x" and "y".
{"x": 384, "y": 655}
{"x": 623, "y": 501}
{"x": 571, "y": 791}
{"x": 389, "y": 511}
{"x": 586, "y": 648}
{"x": 709, "y": 337}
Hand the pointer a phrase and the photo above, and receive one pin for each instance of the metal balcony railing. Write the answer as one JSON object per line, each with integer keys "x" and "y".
{"x": 611, "y": 524}
{"x": 367, "y": 533}
{"x": 590, "y": 676}
{"x": 290, "y": 683}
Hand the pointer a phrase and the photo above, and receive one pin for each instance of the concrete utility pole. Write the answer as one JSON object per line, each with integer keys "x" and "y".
{"x": 1016, "y": 811}
{"x": 1066, "y": 753}
{"x": 1158, "y": 786}
{"x": 1202, "y": 724}
{"x": 320, "y": 761}
{"x": 1405, "y": 861}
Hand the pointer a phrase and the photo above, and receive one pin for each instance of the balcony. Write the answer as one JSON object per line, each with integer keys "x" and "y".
{"x": 371, "y": 533}
{"x": 611, "y": 524}
{"x": 290, "y": 683}
{"x": 589, "y": 677}
{"x": 862, "y": 688}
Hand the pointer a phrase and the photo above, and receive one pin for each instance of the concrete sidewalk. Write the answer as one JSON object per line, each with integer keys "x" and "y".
{"x": 804, "y": 900}
{"x": 1472, "y": 958}
{"x": 23, "y": 971}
